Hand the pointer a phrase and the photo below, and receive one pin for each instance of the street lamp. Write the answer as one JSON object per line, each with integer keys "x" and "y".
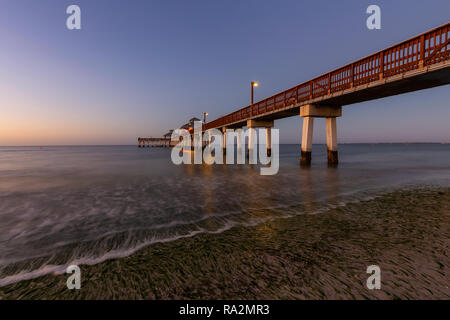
{"x": 253, "y": 84}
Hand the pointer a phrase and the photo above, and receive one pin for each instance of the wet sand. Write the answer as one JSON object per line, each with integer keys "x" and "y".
{"x": 321, "y": 256}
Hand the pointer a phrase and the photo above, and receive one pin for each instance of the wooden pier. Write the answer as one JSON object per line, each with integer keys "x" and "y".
{"x": 419, "y": 63}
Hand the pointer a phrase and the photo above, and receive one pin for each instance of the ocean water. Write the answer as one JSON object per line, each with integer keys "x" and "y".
{"x": 83, "y": 205}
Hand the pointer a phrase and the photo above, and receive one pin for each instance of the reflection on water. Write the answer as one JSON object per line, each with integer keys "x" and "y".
{"x": 85, "y": 204}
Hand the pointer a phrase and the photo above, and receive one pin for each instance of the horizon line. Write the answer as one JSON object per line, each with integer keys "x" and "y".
{"x": 123, "y": 145}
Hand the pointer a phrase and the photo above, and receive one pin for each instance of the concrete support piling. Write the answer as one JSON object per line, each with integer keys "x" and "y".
{"x": 251, "y": 142}
{"x": 224, "y": 146}
{"x": 261, "y": 124}
{"x": 240, "y": 145}
{"x": 332, "y": 153}
{"x": 269, "y": 141}
{"x": 307, "y": 135}
{"x": 330, "y": 113}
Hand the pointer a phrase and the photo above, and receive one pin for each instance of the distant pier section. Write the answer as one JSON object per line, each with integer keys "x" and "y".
{"x": 165, "y": 141}
{"x": 154, "y": 142}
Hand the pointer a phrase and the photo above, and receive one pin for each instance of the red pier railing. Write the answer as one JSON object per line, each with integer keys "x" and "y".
{"x": 414, "y": 54}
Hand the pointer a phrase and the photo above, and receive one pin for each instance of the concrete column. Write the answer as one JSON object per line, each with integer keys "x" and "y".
{"x": 251, "y": 141}
{"x": 262, "y": 124}
{"x": 332, "y": 152}
{"x": 309, "y": 112}
{"x": 239, "y": 143}
{"x": 307, "y": 135}
{"x": 269, "y": 141}
{"x": 224, "y": 146}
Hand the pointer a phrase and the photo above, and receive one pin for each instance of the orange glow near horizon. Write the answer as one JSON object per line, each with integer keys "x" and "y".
{"x": 28, "y": 123}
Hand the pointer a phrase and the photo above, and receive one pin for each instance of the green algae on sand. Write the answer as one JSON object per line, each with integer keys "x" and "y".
{"x": 321, "y": 256}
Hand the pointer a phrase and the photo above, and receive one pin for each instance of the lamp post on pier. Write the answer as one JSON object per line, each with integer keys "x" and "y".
{"x": 252, "y": 85}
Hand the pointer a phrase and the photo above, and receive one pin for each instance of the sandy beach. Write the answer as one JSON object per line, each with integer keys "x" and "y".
{"x": 312, "y": 256}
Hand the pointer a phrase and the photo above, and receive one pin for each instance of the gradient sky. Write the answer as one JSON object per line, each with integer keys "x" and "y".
{"x": 139, "y": 68}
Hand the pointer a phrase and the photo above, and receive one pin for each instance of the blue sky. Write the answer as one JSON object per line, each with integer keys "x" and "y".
{"x": 139, "y": 68}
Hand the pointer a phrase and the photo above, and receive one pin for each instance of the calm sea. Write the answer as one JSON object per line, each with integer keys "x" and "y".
{"x": 82, "y": 205}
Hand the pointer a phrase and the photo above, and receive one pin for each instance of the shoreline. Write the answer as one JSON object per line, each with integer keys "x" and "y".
{"x": 321, "y": 256}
